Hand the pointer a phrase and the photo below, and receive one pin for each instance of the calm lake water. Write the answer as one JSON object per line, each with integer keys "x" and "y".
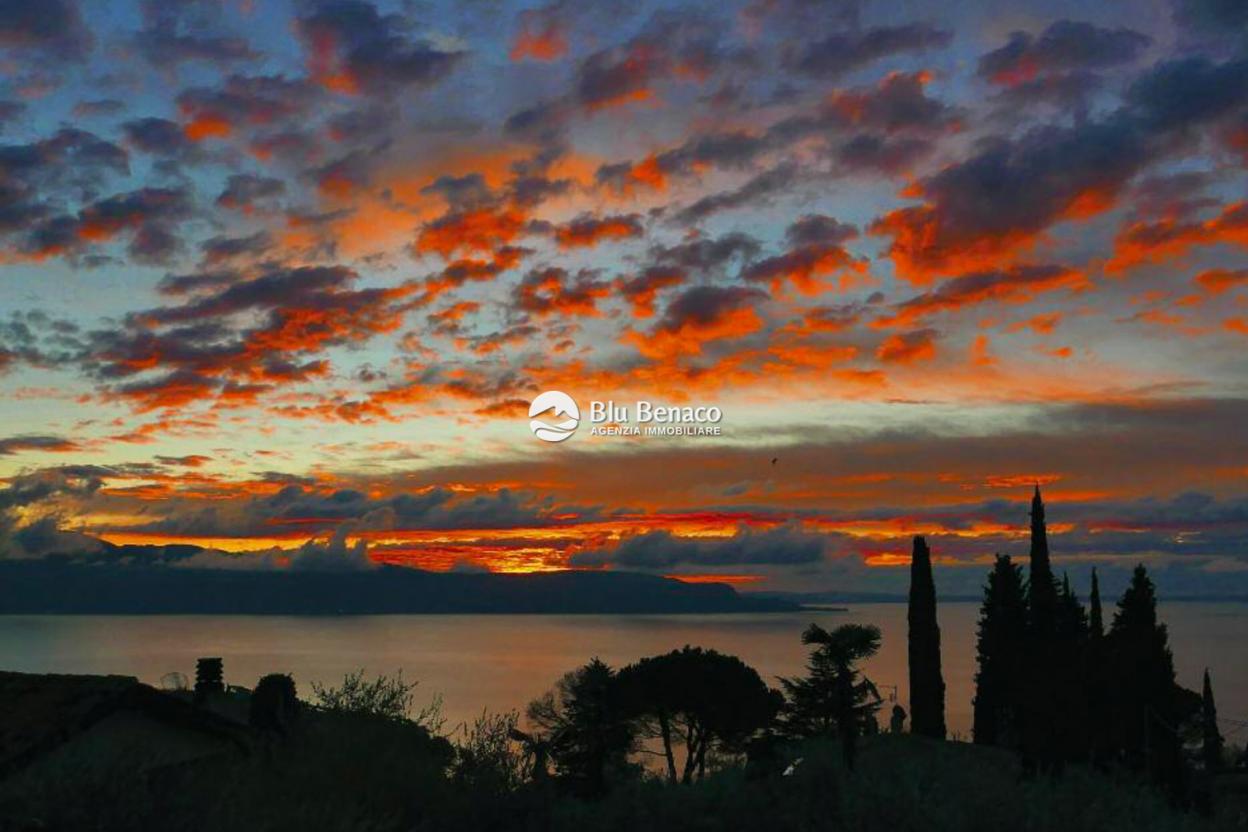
{"x": 502, "y": 662}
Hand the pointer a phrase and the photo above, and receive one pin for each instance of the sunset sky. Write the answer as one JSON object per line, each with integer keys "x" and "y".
{"x": 281, "y": 279}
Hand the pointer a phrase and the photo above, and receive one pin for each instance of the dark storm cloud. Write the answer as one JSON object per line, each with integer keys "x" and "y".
{"x": 462, "y": 193}
{"x": 883, "y": 126}
{"x": 843, "y": 52}
{"x": 177, "y": 32}
{"x": 553, "y": 291}
{"x": 705, "y": 305}
{"x": 708, "y": 254}
{"x": 1015, "y": 284}
{"x": 815, "y": 248}
{"x": 182, "y": 284}
{"x": 782, "y": 546}
{"x": 17, "y": 444}
{"x": 69, "y": 163}
{"x": 1064, "y": 46}
{"x": 159, "y": 137}
{"x": 149, "y": 215}
{"x": 1188, "y": 92}
{"x": 1221, "y": 17}
{"x": 754, "y": 192}
{"x": 10, "y": 111}
{"x": 221, "y": 248}
{"x": 270, "y": 290}
{"x": 248, "y": 100}
{"x": 29, "y": 488}
{"x": 971, "y": 207}
{"x": 355, "y": 47}
{"x": 52, "y": 28}
{"x": 673, "y": 44}
{"x": 869, "y": 152}
{"x": 436, "y": 508}
{"x": 243, "y": 191}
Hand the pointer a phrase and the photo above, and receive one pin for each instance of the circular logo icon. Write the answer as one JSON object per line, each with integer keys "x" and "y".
{"x": 554, "y": 416}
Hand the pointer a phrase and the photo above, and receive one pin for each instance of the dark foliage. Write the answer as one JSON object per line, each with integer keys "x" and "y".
{"x": 927, "y": 686}
{"x": 699, "y": 699}
{"x": 834, "y": 698}
{"x": 1146, "y": 713}
{"x": 274, "y": 706}
{"x": 587, "y": 727}
{"x": 1211, "y": 738}
{"x": 1000, "y": 648}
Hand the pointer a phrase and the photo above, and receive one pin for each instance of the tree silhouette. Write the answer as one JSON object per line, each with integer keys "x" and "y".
{"x": 536, "y": 750}
{"x": 834, "y": 699}
{"x": 1072, "y": 618}
{"x": 927, "y": 686}
{"x": 589, "y": 731}
{"x": 1041, "y": 585}
{"x": 1211, "y": 746}
{"x": 1096, "y": 621}
{"x": 699, "y": 699}
{"x": 1097, "y": 678}
{"x": 1000, "y": 646}
{"x": 1044, "y": 682}
{"x": 274, "y": 706}
{"x": 1145, "y": 702}
{"x": 1071, "y": 728}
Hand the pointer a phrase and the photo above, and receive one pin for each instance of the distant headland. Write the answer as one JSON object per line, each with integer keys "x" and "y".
{"x": 51, "y": 586}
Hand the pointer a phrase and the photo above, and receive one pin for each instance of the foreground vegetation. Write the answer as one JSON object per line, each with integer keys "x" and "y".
{"x": 364, "y": 757}
{"x": 361, "y": 775}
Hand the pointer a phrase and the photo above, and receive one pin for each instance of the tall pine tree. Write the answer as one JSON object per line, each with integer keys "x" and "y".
{"x": 927, "y": 686}
{"x": 1000, "y": 648}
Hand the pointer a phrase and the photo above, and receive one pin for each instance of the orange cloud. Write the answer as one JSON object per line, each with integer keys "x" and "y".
{"x": 207, "y": 126}
{"x": 483, "y": 229}
{"x": 1163, "y": 240}
{"x": 1017, "y": 284}
{"x": 586, "y": 231}
{"x": 542, "y": 36}
{"x": 908, "y": 348}
{"x": 1218, "y": 281}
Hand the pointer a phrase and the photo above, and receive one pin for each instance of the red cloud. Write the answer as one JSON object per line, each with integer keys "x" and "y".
{"x": 484, "y": 229}
{"x": 1157, "y": 242}
{"x": 907, "y": 348}
{"x": 1018, "y": 284}
{"x": 1218, "y": 281}
{"x": 586, "y": 231}
{"x": 642, "y": 290}
{"x": 542, "y": 35}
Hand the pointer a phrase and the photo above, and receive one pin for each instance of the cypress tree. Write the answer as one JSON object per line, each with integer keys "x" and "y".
{"x": 1072, "y": 619}
{"x": 1096, "y": 623}
{"x": 1041, "y": 586}
{"x": 1144, "y": 695}
{"x": 1097, "y": 676}
{"x": 1042, "y": 683}
{"x": 1000, "y": 646}
{"x": 1211, "y": 750}
{"x": 927, "y": 686}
